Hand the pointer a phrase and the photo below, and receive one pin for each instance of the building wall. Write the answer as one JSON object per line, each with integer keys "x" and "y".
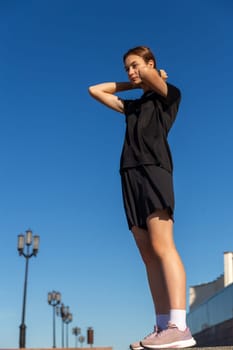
{"x": 228, "y": 268}
{"x": 217, "y": 309}
{"x": 218, "y": 335}
{"x": 211, "y": 309}
{"x": 199, "y": 294}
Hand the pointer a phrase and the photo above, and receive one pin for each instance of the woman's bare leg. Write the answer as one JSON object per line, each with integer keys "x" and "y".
{"x": 160, "y": 229}
{"x": 154, "y": 271}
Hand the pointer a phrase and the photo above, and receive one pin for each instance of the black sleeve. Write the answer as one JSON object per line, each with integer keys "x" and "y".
{"x": 129, "y": 106}
{"x": 169, "y": 106}
{"x": 173, "y": 96}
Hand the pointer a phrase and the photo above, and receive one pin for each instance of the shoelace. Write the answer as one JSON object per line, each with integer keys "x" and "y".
{"x": 170, "y": 326}
{"x": 153, "y": 334}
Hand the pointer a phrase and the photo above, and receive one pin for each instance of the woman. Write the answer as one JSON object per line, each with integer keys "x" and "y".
{"x": 147, "y": 186}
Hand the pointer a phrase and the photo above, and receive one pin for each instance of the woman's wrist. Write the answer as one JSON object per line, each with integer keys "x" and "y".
{"x": 163, "y": 74}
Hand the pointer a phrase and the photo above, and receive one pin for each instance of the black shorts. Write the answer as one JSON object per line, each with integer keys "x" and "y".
{"x": 146, "y": 189}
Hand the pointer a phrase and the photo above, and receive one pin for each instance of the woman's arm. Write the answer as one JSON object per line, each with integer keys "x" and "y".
{"x": 105, "y": 93}
{"x": 151, "y": 78}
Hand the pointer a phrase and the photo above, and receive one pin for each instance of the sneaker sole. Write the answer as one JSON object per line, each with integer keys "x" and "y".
{"x": 179, "y": 344}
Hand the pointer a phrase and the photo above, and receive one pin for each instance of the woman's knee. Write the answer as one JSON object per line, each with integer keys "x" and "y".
{"x": 143, "y": 243}
{"x": 160, "y": 232}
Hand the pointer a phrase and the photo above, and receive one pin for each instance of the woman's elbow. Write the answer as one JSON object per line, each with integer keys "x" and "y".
{"x": 91, "y": 90}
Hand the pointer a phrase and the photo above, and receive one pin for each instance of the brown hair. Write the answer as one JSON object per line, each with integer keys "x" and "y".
{"x": 141, "y": 51}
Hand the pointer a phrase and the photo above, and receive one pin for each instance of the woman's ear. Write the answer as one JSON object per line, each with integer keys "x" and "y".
{"x": 151, "y": 64}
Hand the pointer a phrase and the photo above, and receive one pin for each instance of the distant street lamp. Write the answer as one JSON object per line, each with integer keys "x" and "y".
{"x": 81, "y": 340}
{"x": 54, "y": 298}
{"x": 76, "y": 331}
{"x": 58, "y": 313}
{"x": 67, "y": 320}
{"x": 28, "y": 240}
{"x": 62, "y": 311}
{"x": 90, "y": 336}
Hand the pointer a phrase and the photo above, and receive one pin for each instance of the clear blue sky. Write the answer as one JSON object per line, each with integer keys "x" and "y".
{"x": 60, "y": 150}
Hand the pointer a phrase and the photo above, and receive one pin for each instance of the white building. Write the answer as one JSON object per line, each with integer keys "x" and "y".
{"x": 211, "y": 308}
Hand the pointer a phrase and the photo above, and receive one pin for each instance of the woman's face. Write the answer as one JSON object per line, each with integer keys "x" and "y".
{"x": 132, "y": 66}
{"x": 133, "y": 63}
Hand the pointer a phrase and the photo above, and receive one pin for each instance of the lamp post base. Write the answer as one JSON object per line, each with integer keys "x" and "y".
{"x": 22, "y": 336}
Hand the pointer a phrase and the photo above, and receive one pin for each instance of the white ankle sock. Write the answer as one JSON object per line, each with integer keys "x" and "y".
{"x": 162, "y": 320}
{"x": 178, "y": 317}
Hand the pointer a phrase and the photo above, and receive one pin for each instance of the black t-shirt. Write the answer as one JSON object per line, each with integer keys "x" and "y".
{"x": 148, "y": 121}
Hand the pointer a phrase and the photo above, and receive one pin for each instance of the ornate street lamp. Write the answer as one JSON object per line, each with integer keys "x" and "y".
{"x": 81, "y": 340}
{"x": 68, "y": 319}
{"x": 24, "y": 243}
{"x": 58, "y": 313}
{"x": 63, "y": 312}
{"x": 76, "y": 331}
{"x": 90, "y": 336}
{"x": 54, "y": 298}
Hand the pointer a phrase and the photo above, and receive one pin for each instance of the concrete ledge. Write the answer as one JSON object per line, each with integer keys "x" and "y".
{"x": 70, "y": 348}
{"x": 110, "y": 348}
{"x": 212, "y": 348}
{"x": 209, "y": 348}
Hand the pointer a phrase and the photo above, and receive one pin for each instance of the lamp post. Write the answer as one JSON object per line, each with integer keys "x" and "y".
{"x": 81, "y": 340}
{"x": 67, "y": 320}
{"x": 62, "y": 311}
{"x": 54, "y": 298}
{"x": 76, "y": 331}
{"x": 27, "y": 240}
{"x": 58, "y": 311}
{"x": 90, "y": 336}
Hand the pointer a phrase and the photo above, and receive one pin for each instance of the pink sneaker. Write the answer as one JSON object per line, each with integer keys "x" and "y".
{"x": 137, "y": 345}
{"x": 172, "y": 337}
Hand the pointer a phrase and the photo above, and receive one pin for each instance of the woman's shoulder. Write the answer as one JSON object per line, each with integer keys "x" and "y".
{"x": 173, "y": 96}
